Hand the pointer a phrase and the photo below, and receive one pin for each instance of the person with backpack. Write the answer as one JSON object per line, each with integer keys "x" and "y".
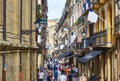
{"x": 93, "y": 77}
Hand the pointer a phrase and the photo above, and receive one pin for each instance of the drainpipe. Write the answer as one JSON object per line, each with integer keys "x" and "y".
{"x": 4, "y": 66}
{"x": 20, "y": 40}
{"x": 31, "y": 23}
{"x": 31, "y": 42}
{"x": 20, "y": 21}
{"x": 4, "y": 20}
{"x": 4, "y": 38}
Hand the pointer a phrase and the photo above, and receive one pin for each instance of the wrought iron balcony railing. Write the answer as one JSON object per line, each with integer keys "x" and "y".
{"x": 66, "y": 48}
{"x": 99, "y": 38}
{"x": 117, "y": 24}
{"x": 94, "y": 1}
{"x": 89, "y": 4}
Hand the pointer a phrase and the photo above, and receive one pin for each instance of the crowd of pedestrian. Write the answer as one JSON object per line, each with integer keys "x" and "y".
{"x": 55, "y": 71}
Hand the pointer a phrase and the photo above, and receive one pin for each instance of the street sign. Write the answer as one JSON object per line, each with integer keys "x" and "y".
{"x": 43, "y": 21}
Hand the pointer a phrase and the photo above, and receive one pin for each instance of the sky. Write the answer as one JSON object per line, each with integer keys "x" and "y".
{"x": 55, "y": 8}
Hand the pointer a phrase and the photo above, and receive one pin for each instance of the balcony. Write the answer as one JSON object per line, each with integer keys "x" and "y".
{"x": 95, "y": 4}
{"x": 117, "y": 25}
{"x": 65, "y": 48}
{"x": 99, "y": 39}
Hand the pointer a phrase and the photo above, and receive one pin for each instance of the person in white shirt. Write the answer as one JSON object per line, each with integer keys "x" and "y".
{"x": 41, "y": 75}
{"x": 62, "y": 77}
{"x": 119, "y": 78}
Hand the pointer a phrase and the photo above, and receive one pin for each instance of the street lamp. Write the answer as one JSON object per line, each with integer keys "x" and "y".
{"x": 37, "y": 23}
{"x": 38, "y": 26}
{"x": 118, "y": 3}
{"x": 84, "y": 35}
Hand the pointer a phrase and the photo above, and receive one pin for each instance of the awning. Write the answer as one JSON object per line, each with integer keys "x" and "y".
{"x": 89, "y": 56}
{"x": 70, "y": 56}
{"x": 65, "y": 54}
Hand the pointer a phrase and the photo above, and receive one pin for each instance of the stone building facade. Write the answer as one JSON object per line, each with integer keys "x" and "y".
{"x": 18, "y": 51}
{"x": 101, "y": 36}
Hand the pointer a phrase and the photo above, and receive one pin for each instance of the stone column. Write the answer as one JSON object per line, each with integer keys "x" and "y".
{"x": 9, "y": 67}
{"x": 102, "y": 68}
{"x": 1, "y": 65}
{"x": 34, "y": 67}
{"x": 12, "y": 66}
{"x": 16, "y": 67}
{"x": 25, "y": 65}
{"x": 109, "y": 67}
{"x": 25, "y": 20}
{"x": 88, "y": 69}
{"x": 106, "y": 66}
{"x": 75, "y": 61}
{"x": 114, "y": 68}
{"x": 118, "y": 57}
{"x": 80, "y": 67}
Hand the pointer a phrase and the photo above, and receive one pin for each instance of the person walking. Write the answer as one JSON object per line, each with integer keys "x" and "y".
{"x": 93, "y": 77}
{"x": 40, "y": 75}
{"x": 82, "y": 77}
{"x": 72, "y": 71}
{"x": 75, "y": 78}
{"x": 66, "y": 70}
{"x": 45, "y": 74}
{"x": 62, "y": 77}
{"x": 49, "y": 78}
{"x": 41, "y": 68}
{"x": 69, "y": 77}
{"x": 75, "y": 69}
{"x": 119, "y": 78}
{"x": 55, "y": 74}
{"x": 59, "y": 70}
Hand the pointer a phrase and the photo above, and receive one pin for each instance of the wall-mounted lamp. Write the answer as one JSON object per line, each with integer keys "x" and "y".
{"x": 84, "y": 35}
{"x": 38, "y": 27}
{"x": 118, "y": 3}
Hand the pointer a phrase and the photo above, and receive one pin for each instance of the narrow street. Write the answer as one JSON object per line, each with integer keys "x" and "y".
{"x": 59, "y": 40}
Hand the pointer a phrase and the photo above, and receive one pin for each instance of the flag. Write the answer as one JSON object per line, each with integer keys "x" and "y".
{"x": 39, "y": 28}
{"x": 73, "y": 37}
{"x": 92, "y": 16}
{"x": 62, "y": 46}
{"x": 66, "y": 41}
{"x": 39, "y": 38}
{"x": 65, "y": 29}
{"x": 87, "y": 4}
